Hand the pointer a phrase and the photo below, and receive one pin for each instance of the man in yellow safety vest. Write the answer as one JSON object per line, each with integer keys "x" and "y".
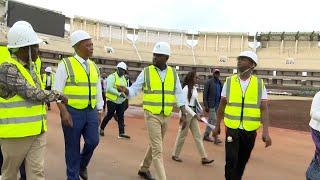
{"x": 243, "y": 107}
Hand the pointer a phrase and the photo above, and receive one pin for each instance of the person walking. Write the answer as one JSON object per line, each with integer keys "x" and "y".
{"x": 48, "y": 79}
{"x": 103, "y": 82}
{"x": 116, "y": 102}
{"x": 191, "y": 98}
{"x": 313, "y": 171}
{"x": 211, "y": 100}
{"x": 22, "y": 112}
{"x": 78, "y": 78}
{"x": 243, "y": 107}
{"x": 161, "y": 88}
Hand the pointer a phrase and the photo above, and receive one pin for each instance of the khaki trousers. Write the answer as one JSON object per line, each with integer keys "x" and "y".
{"x": 157, "y": 126}
{"x": 192, "y": 123}
{"x": 15, "y": 150}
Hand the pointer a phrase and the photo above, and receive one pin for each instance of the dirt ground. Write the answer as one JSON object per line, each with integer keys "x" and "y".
{"x": 116, "y": 159}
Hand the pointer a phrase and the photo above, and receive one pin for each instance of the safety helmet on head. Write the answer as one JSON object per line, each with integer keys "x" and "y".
{"x": 78, "y": 36}
{"x": 48, "y": 69}
{"x": 162, "y": 48}
{"x": 21, "y": 34}
{"x": 251, "y": 55}
{"x": 122, "y": 65}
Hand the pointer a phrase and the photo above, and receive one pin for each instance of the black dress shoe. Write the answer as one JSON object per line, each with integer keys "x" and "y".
{"x": 205, "y": 161}
{"x": 176, "y": 158}
{"x": 146, "y": 175}
{"x": 84, "y": 174}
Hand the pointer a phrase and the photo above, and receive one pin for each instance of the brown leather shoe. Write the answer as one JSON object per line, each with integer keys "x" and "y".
{"x": 176, "y": 158}
{"x": 205, "y": 161}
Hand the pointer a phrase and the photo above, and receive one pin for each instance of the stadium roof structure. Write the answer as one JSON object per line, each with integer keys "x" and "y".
{"x": 288, "y": 36}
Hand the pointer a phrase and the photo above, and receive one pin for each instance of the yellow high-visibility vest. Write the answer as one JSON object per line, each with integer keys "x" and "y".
{"x": 4, "y": 53}
{"x": 44, "y": 79}
{"x": 79, "y": 84}
{"x": 118, "y": 81}
{"x": 243, "y": 108}
{"x": 20, "y": 117}
{"x": 159, "y": 97}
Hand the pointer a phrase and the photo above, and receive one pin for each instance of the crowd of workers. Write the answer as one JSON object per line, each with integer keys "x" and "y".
{"x": 83, "y": 95}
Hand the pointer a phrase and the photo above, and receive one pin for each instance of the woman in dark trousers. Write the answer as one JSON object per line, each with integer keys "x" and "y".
{"x": 22, "y": 168}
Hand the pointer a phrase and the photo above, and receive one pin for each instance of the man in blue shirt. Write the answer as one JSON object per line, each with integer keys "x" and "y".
{"x": 211, "y": 100}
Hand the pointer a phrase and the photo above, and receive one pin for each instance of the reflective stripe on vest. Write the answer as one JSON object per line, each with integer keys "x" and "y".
{"x": 44, "y": 79}
{"x": 159, "y": 96}
{"x": 77, "y": 87}
{"x": 18, "y": 117}
{"x": 246, "y": 110}
{"x": 117, "y": 82}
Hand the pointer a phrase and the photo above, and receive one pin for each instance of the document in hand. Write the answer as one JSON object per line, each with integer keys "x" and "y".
{"x": 203, "y": 119}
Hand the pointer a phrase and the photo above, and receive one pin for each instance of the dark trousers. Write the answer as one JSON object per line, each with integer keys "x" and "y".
{"x": 22, "y": 168}
{"x": 104, "y": 100}
{"x": 85, "y": 123}
{"x": 48, "y": 103}
{"x": 238, "y": 151}
{"x": 119, "y": 109}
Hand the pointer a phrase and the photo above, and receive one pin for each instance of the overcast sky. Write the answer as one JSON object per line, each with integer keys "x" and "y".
{"x": 198, "y": 15}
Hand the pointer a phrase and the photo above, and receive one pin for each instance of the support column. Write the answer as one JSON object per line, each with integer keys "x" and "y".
{"x": 122, "y": 34}
{"x": 146, "y": 39}
{"x": 98, "y": 31}
{"x": 296, "y": 47}
{"x": 217, "y": 43}
{"x": 85, "y": 25}
{"x": 205, "y": 42}
{"x": 241, "y": 45}
{"x": 71, "y": 25}
{"x": 181, "y": 41}
{"x": 110, "y": 33}
{"x": 281, "y": 46}
{"x": 229, "y": 44}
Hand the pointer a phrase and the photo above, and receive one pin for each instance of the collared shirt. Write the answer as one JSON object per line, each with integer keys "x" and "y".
{"x": 315, "y": 113}
{"x": 137, "y": 86}
{"x": 13, "y": 83}
{"x": 62, "y": 76}
{"x": 193, "y": 100}
{"x": 110, "y": 88}
{"x": 103, "y": 84}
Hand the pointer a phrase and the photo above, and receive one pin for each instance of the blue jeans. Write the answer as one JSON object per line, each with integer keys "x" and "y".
{"x": 212, "y": 120}
{"x": 313, "y": 171}
{"x": 85, "y": 123}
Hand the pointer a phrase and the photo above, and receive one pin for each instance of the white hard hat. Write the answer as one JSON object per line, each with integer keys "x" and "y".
{"x": 162, "y": 48}
{"x": 78, "y": 36}
{"x": 21, "y": 34}
{"x": 122, "y": 65}
{"x": 250, "y": 54}
{"x": 48, "y": 69}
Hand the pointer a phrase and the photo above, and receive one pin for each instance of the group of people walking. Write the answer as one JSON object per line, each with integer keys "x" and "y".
{"x": 79, "y": 93}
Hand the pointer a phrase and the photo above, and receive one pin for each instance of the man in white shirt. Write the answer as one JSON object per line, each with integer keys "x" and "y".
{"x": 243, "y": 107}
{"x": 78, "y": 78}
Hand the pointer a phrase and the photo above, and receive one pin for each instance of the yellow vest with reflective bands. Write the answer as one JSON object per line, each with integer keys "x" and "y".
{"x": 79, "y": 84}
{"x": 118, "y": 81}
{"x": 19, "y": 117}
{"x": 44, "y": 79}
{"x": 159, "y": 96}
{"x": 4, "y": 53}
{"x": 246, "y": 109}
